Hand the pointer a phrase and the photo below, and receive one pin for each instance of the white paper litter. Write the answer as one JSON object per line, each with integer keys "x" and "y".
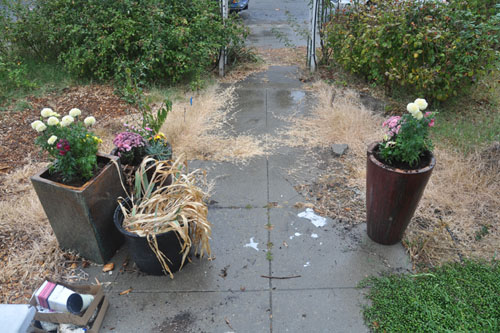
{"x": 314, "y": 235}
{"x": 307, "y": 264}
{"x": 252, "y": 244}
{"x": 317, "y": 220}
{"x": 297, "y": 234}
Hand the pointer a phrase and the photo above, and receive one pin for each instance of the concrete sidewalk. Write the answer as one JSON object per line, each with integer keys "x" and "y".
{"x": 229, "y": 293}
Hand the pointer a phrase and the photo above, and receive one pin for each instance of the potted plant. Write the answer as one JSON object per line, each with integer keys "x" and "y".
{"x": 137, "y": 142}
{"x": 78, "y": 191}
{"x": 165, "y": 218}
{"x": 398, "y": 169}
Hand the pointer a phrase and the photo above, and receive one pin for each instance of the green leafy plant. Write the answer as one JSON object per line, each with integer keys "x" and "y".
{"x": 457, "y": 297}
{"x": 155, "y": 122}
{"x": 133, "y": 42}
{"x": 407, "y": 138}
{"x": 159, "y": 148}
{"x": 431, "y": 48}
{"x": 70, "y": 144}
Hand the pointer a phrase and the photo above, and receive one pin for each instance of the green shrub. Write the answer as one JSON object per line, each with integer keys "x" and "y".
{"x": 13, "y": 75}
{"x": 432, "y": 49}
{"x": 151, "y": 41}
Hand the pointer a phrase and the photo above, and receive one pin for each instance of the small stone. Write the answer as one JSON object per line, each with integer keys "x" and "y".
{"x": 339, "y": 149}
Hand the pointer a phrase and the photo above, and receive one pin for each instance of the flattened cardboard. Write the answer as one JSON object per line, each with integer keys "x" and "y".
{"x": 96, "y": 326}
{"x": 68, "y": 318}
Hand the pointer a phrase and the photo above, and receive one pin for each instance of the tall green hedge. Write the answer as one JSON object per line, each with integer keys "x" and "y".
{"x": 435, "y": 49}
{"x": 152, "y": 40}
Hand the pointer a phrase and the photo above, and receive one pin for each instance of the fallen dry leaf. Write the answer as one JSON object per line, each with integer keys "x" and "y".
{"x": 125, "y": 292}
{"x": 74, "y": 265}
{"x": 108, "y": 267}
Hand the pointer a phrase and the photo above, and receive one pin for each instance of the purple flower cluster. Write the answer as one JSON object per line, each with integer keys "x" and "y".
{"x": 394, "y": 125}
{"x": 125, "y": 141}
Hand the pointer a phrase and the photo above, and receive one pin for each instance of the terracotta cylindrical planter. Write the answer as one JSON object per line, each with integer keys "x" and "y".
{"x": 82, "y": 217}
{"x": 392, "y": 196}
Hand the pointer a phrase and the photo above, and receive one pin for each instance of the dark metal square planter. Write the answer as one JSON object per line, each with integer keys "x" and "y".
{"x": 82, "y": 217}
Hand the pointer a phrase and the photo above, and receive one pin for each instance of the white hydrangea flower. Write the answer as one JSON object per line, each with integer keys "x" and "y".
{"x": 52, "y": 121}
{"x": 41, "y": 127}
{"x": 89, "y": 121}
{"x": 418, "y": 115}
{"x": 66, "y": 120}
{"x": 35, "y": 124}
{"x": 47, "y": 112}
{"x": 75, "y": 112}
{"x": 422, "y": 103}
{"x": 52, "y": 139}
{"x": 412, "y": 108}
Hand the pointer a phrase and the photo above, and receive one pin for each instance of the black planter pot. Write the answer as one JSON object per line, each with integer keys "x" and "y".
{"x": 141, "y": 253}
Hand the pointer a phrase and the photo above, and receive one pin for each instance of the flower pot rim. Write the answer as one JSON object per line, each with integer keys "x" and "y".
{"x": 112, "y": 159}
{"x": 375, "y": 161}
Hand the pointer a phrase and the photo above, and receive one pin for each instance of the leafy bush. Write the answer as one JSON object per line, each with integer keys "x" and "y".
{"x": 133, "y": 42}
{"x": 12, "y": 75}
{"x": 434, "y": 49}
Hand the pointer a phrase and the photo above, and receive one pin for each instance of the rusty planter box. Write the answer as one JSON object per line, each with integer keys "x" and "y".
{"x": 82, "y": 217}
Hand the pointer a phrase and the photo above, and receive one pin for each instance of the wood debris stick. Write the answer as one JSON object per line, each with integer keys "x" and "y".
{"x": 108, "y": 267}
{"x": 228, "y": 323}
{"x": 125, "y": 292}
{"x": 281, "y": 277}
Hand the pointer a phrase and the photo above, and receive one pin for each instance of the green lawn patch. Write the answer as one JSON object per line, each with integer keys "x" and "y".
{"x": 453, "y": 298}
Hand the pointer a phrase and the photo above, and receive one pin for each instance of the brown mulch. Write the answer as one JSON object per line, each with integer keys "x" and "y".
{"x": 18, "y": 151}
{"x": 18, "y": 138}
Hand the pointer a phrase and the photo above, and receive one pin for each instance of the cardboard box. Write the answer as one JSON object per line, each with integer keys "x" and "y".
{"x": 68, "y": 318}
{"x": 96, "y": 325}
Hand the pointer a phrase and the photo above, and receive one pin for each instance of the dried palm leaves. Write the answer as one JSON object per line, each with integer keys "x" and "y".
{"x": 168, "y": 199}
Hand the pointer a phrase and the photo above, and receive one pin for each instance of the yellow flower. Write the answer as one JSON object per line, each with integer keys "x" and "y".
{"x": 47, "y": 112}
{"x": 66, "y": 120}
{"x": 52, "y": 139}
{"x": 159, "y": 136}
{"x": 41, "y": 127}
{"x": 35, "y": 124}
{"x": 89, "y": 121}
{"x": 52, "y": 121}
{"x": 422, "y": 103}
{"x": 412, "y": 108}
{"x": 75, "y": 112}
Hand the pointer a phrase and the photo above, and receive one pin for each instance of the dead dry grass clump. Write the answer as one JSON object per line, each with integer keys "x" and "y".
{"x": 29, "y": 251}
{"x": 458, "y": 215}
{"x": 338, "y": 117}
{"x": 201, "y": 130}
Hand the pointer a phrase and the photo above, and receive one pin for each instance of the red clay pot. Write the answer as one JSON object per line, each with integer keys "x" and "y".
{"x": 392, "y": 196}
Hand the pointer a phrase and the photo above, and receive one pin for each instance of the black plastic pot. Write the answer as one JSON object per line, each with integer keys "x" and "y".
{"x": 141, "y": 253}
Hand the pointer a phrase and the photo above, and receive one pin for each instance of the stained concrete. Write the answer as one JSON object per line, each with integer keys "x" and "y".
{"x": 241, "y": 290}
{"x": 322, "y": 266}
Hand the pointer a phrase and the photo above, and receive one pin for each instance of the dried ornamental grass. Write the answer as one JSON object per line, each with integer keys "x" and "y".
{"x": 462, "y": 196}
{"x": 163, "y": 207}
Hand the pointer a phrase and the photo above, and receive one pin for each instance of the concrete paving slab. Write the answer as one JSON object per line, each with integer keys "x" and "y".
{"x": 237, "y": 185}
{"x": 188, "y": 312}
{"x": 318, "y": 310}
{"x": 325, "y": 257}
{"x": 235, "y": 266}
{"x": 277, "y": 77}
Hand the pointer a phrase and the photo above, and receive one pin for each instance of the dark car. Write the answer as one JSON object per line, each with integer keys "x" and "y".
{"x": 238, "y": 5}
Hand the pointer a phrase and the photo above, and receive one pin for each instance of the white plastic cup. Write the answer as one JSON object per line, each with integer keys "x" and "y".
{"x": 77, "y": 303}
